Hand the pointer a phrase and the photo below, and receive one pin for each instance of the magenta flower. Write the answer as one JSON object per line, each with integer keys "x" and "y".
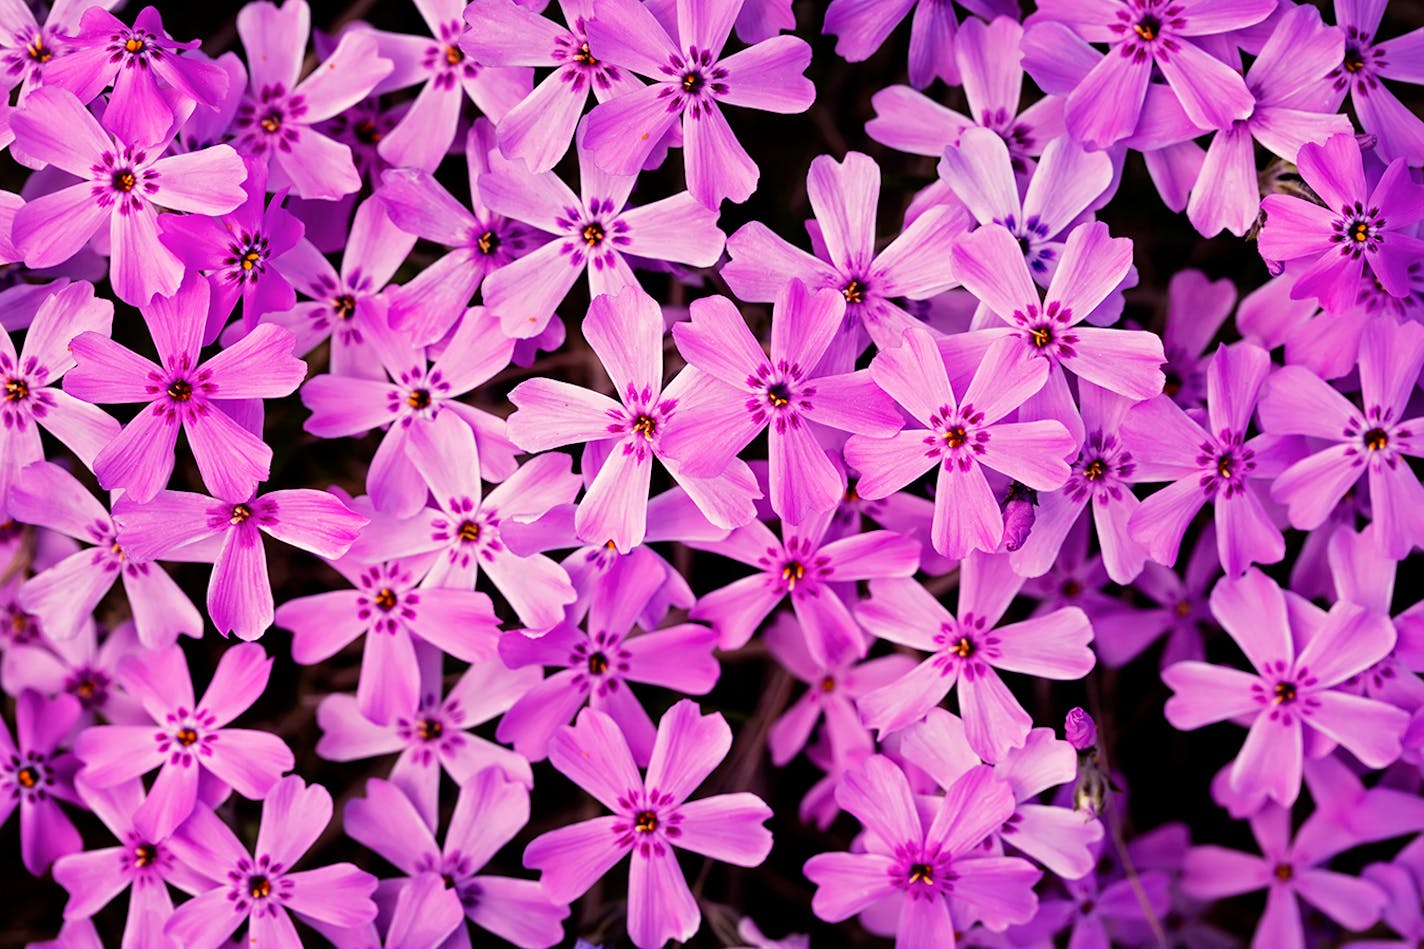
{"x": 423, "y": 135}
{"x": 244, "y": 253}
{"x": 741, "y": 390}
{"x": 30, "y": 399}
{"x": 184, "y": 525}
{"x": 1175, "y": 38}
{"x": 1215, "y": 463}
{"x": 275, "y": 119}
{"x": 143, "y": 864}
{"x": 1374, "y": 441}
{"x": 82, "y": 666}
{"x": 480, "y": 240}
{"x": 191, "y": 739}
{"x": 28, "y": 46}
{"x": 539, "y": 128}
{"x": 1064, "y": 840}
{"x": 600, "y": 665}
{"x": 181, "y": 392}
{"x": 432, "y": 734}
{"x": 987, "y": 56}
{"x": 1301, "y": 657}
{"x": 650, "y": 817}
{"x": 968, "y": 650}
{"x": 814, "y": 572}
{"x": 124, "y": 185}
{"x": 591, "y": 233}
{"x": 1359, "y": 73}
{"x": 690, "y": 81}
{"x": 393, "y": 614}
{"x": 843, "y": 196}
{"x": 861, "y": 29}
{"x": 464, "y": 525}
{"x": 1357, "y": 225}
{"x": 1178, "y": 609}
{"x": 490, "y": 810}
{"x": 414, "y": 394}
{"x": 991, "y": 265}
{"x": 35, "y": 776}
{"x": 105, "y": 51}
{"x": 626, "y": 332}
{"x": 960, "y": 438}
{"x": 829, "y": 698}
{"x": 1289, "y": 868}
{"x": 260, "y": 888}
{"x": 65, "y": 595}
{"x": 920, "y": 870}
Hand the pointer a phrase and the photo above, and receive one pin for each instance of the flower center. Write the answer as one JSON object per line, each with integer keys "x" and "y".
{"x": 240, "y": 513}
{"x": 828, "y": 684}
{"x": 1173, "y": 383}
{"x": 345, "y": 306}
{"x": 854, "y": 292}
{"x": 778, "y": 394}
{"x": 1284, "y": 872}
{"x": 16, "y": 390}
{"x": 186, "y": 736}
{"x": 250, "y": 259}
{"x": 39, "y": 52}
{"x": 367, "y": 132}
{"x": 133, "y": 45}
{"x": 418, "y": 399}
{"x": 583, "y": 57}
{"x": 1148, "y": 27}
{"x": 386, "y": 599}
{"x": 792, "y": 573}
{"x": 1095, "y": 469}
{"x": 598, "y": 663}
{"x": 469, "y": 531}
{"x": 1225, "y": 466}
{"x": 692, "y": 81}
{"x": 922, "y": 873}
{"x": 427, "y": 729}
{"x": 646, "y": 425}
{"x": 271, "y": 122}
{"x": 1285, "y": 693}
{"x": 1041, "y": 335}
{"x": 1354, "y": 59}
{"x": 453, "y": 56}
{"x": 1360, "y": 232}
{"x": 86, "y": 688}
{"x": 1376, "y": 439}
{"x": 964, "y": 648}
{"x": 1183, "y": 609}
{"x": 593, "y": 234}
{"x": 956, "y": 436}
{"x": 646, "y": 822}
{"x": 259, "y": 887}
{"x": 144, "y": 854}
{"x": 180, "y": 390}
{"x": 124, "y": 180}
{"x": 28, "y": 777}
{"x": 488, "y": 243}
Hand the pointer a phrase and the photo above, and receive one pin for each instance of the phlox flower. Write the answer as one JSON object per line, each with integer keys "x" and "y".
{"x": 960, "y": 437}
{"x": 189, "y": 742}
{"x": 104, "y": 51}
{"x": 464, "y": 525}
{"x": 651, "y": 816}
{"x": 690, "y": 81}
{"x": 276, "y": 117}
{"x": 27, "y": 46}
{"x": 968, "y": 650}
{"x": 593, "y": 232}
{"x": 433, "y": 733}
{"x": 83, "y": 666}
{"x": 861, "y": 28}
{"x": 30, "y": 400}
{"x": 1301, "y": 656}
{"x": 989, "y": 63}
{"x": 489, "y": 811}
{"x": 598, "y": 666}
{"x": 925, "y": 869}
{"x": 1358, "y": 74}
{"x": 260, "y": 887}
{"x": 540, "y": 126}
{"x": 1215, "y": 463}
{"x": 740, "y": 390}
{"x": 185, "y": 525}
{"x": 1374, "y": 441}
{"x": 124, "y": 185}
{"x": 409, "y": 392}
{"x": 843, "y": 196}
{"x": 1361, "y": 574}
{"x": 35, "y": 776}
{"x": 393, "y": 613}
{"x": 1357, "y": 225}
{"x": 813, "y": 571}
{"x": 182, "y": 392}
{"x": 65, "y": 595}
{"x": 423, "y": 135}
{"x": 626, "y": 333}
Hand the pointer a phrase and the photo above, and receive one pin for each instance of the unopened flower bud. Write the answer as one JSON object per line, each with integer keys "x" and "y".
{"x": 1018, "y": 515}
{"x": 1080, "y": 730}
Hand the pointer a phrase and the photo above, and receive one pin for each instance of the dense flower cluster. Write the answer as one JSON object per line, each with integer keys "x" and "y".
{"x": 847, "y": 473}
